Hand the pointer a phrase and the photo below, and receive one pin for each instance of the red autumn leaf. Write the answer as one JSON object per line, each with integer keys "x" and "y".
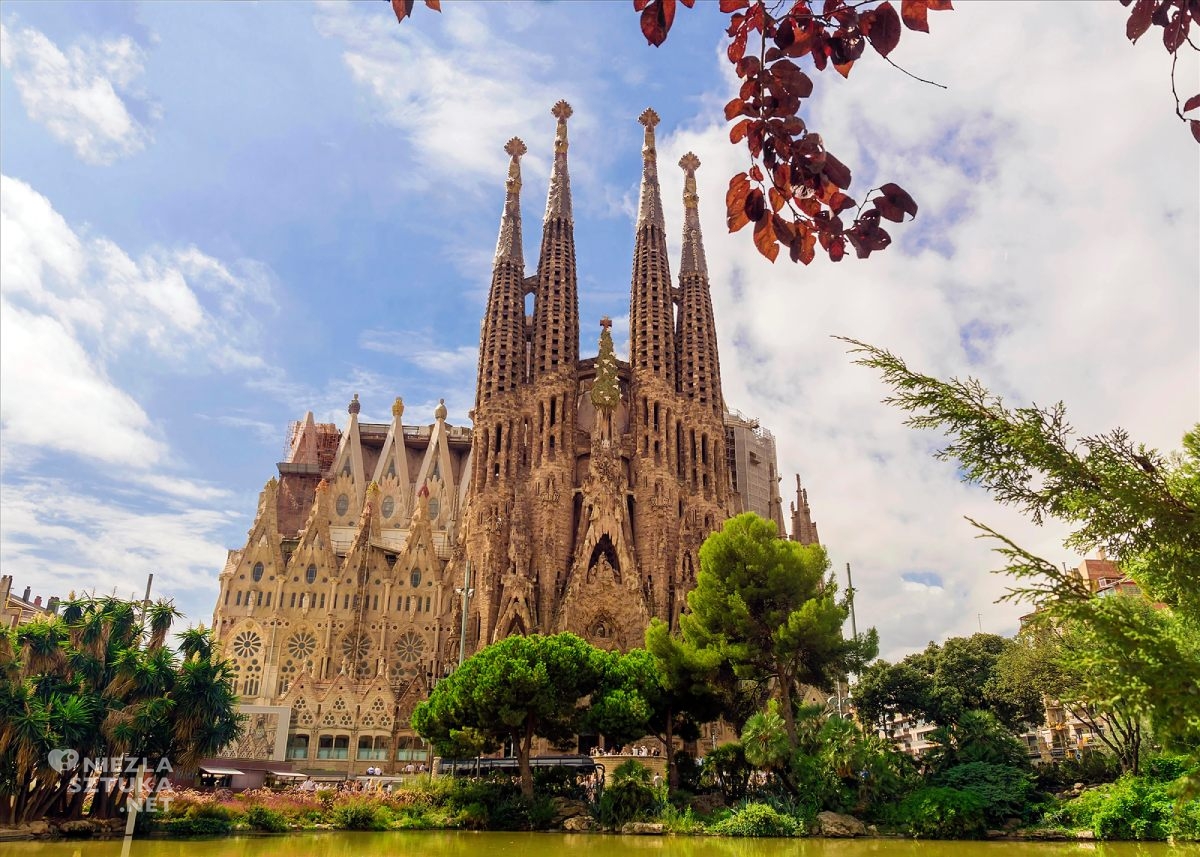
{"x": 728, "y": 6}
{"x": 939, "y": 5}
{"x": 836, "y": 171}
{"x": 888, "y": 209}
{"x": 776, "y": 199}
{"x": 639, "y": 5}
{"x": 738, "y": 132}
{"x": 783, "y": 229}
{"x": 756, "y": 207}
{"x": 748, "y": 66}
{"x": 1195, "y": 126}
{"x": 737, "y": 48}
{"x": 739, "y": 186}
{"x": 756, "y": 173}
{"x": 657, "y": 18}
{"x": 688, "y": 3}
{"x": 884, "y": 30}
{"x": 782, "y": 176}
{"x": 402, "y": 8}
{"x": 764, "y": 239}
{"x": 837, "y": 249}
{"x": 1139, "y": 19}
{"x": 1192, "y": 103}
{"x": 435, "y": 5}
{"x": 734, "y": 108}
{"x": 793, "y": 79}
{"x": 844, "y": 68}
{"x": 1175, "y": 33}
{"x": 915, "y": 13}
{"x": 899, "y": 196}
{"x": 785, "y": 34}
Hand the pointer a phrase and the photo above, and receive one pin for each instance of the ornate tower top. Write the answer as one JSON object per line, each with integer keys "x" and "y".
{"x": 508, "y": 244}
{"x": 398, "y": 408}
{"x": 439, "y": 413}
{"x": 650, "y": 205}
{"x": 692, "y": 260}
{"x": 354, "y": 407}
{"x": 606, "y": 391}
{"x": 558, "y": 203}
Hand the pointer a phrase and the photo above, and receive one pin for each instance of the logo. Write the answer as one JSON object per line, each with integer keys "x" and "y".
{"x": 63, "y": 760}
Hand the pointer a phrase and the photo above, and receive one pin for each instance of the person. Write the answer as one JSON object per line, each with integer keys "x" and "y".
{"x": 657, "y": 780}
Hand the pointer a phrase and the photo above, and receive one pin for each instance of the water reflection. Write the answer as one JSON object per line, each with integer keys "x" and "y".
{"x": 461, "y": 844}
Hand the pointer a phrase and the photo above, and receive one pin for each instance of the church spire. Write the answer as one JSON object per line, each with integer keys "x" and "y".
{"x": 606, "y": 390}
{"x": 508, "y": 245}
{"x": 699, "y": 367}
{"x": 556, "y": 301}
{"x": 692, "y": 259}
{"x": 502, "y": 346}
{"x": 558, "y": 203}
{"x": 651, "y": 310}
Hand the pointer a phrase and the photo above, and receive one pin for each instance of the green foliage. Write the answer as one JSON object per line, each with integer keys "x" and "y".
{"x": 765, "y": 739}
{"x": 976, "y": 737}
{"x": 680, "y": 821}
{"x": 944, "y": 682}
{"x": 1141, "y": 507}
{"x": 727, "y": 770}
{"x": 938, "y": 812}
{"x": 768, "y": 606}
{"x": 1006, "y": 792}
{"x": 261, "y": 818}
{"x": 361, "y": 814}
{"x": 189, "y": 827}
{"x": 100, "y": 681}
{"x": 631, "y": 798}
{"x": 526, "y": 687}
{"x": 1092, "y": 769}
{"x": 631, "y": 770}
{"x": 756, "y": 819}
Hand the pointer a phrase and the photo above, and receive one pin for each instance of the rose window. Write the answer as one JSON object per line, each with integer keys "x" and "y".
{"x": 302, "y": 645}
{"x": 409, "y": 647}
{"x": 246, "y": 644}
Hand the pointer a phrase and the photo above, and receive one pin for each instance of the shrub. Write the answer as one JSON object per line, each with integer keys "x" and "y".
{"x": 680, "y": 821}
{"x": 1006, "y": 792}
{"x": 202, "y": 826}
{"x": 938, "y": 812}
{"x": 261, "y": 818}
{"x": 1185, "y": 822}
{"x": 726, "y": 769}
{"x": 629, "y": 799}
{"x": 1135, "y": 808}
{"x": 360, "y": 814}
{"x": 756, "y": 819}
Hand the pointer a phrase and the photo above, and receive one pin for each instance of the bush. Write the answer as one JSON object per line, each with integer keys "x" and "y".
{"x": 938, "y": 812}
{"x": 1094, "y": 768}
{"x": 629, "y": 799}
{"x": 261, "y": 818}
{"x": 1006, "y": 792}
{"x": 1185, "y": 822}
{"x": 756, "y": 819}
{"x": 360, "y": 814}
{"x": 196, "y": 826}
{"x": 727, "y": 770}
{"x": 1136, "y": 808}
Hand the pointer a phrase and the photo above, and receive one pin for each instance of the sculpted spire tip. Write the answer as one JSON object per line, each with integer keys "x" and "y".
{"x": 558, "y": 203}
{"x": 692, "y": 260}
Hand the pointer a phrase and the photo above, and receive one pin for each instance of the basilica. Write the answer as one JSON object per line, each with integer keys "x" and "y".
{"x": 382, "y": 553}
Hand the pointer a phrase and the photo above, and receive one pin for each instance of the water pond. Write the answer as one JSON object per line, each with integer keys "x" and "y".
{"x": 463, "y": 844}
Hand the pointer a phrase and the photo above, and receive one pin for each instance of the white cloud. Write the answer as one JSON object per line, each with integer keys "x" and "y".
{"x": 76, "y": 312}
{"x": 1054, "y": 257}
{"x": 419, "y": 348}
{"x": 80, "y": 95}
{"x": 62, "y": 538}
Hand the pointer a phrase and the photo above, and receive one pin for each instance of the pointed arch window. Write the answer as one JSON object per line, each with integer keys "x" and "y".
{"x": 257, "y": 572}
{"x": 415, "y": 577}
{"x": 310, "y": 574}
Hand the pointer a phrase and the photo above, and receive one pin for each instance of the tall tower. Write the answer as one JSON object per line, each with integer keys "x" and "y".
{"x": 656, "y": 425}
{"x": 804, "y": 528}
{"x": 551, "y": 402}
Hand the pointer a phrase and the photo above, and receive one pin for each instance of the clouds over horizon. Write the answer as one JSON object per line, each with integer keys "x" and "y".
{"x": 83, "y": 95}
{"x": 1014, "y": 272}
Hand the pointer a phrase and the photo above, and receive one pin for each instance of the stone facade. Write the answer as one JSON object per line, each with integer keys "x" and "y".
{"x": 578, "y": 501}
{"x": 595, "y": 481}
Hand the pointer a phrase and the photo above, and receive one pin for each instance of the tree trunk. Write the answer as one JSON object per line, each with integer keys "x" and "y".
{"x": 789, "y": 716}
{"x": 523, "y": 748}
{"x": 669, "y": 751}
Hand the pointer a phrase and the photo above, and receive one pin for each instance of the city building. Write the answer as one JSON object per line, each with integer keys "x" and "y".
{"x": 19, "y": 609}
{"x": 381, "y": 553}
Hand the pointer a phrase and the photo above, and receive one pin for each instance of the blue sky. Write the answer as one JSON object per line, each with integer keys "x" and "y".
{"x": 219, "y": 216}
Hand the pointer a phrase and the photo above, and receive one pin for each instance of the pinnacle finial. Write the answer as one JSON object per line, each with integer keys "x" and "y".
{"x": 558, "y": 202}
{"x": 649, "y": 118}
{"x": 440, "y": 411}
{"x": 354, "y": 407}
{"x": 515, "y": 147}
{"x": 562, "y": 111}
{"x": 689, "y": 162}
{"x": 398, "y": 408}
{"x": 605, "y": 322}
